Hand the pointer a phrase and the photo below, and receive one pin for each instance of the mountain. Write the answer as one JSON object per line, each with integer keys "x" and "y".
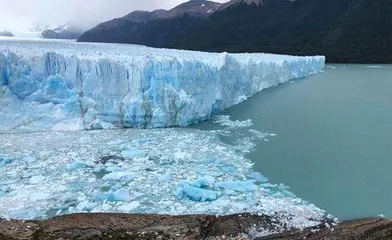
{"x": 255, "y": 3}
{"x": 357, "y": 31}
{"x": 156, "y": 28}
{"x": 6, "y": 34}
{"x": 66, "y": 31}
{"x": 195, "y": 8}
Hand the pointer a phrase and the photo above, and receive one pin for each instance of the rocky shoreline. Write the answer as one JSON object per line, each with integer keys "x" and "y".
{"x": 102, "y": 226}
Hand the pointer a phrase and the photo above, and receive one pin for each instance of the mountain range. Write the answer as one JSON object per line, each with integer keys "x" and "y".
{"x": 66, "y": 31}
{"x": 345, "y": 31}
{"x": 6, "y": 34}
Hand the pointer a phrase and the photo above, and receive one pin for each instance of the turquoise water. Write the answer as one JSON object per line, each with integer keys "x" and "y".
{"x": 334, "y": 138}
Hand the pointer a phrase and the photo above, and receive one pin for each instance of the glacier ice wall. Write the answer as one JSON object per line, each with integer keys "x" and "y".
{"x": 54, "y": 85}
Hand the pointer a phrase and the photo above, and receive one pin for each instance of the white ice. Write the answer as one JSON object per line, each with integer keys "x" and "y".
{"x": 182, "y": 171}
{"x": 54, "y": 85}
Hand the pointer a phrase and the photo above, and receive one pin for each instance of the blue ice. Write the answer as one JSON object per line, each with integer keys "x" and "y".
{"x": 258, "y": 177}
{"x": 29, "y": 159}
{"x": 197, "y": 194}
{"x": 170, "y": 87}
{"x": 25, "y": 214}
{"x": 118, "y": 176}
{"x": 5, "y": 159}
{"x": 143, "y": 140}
{"x": 203, "y": 182}
{"x": 164, "y": 178}
{"x": 239, "y": 186}
{"x": 76, "y": 165}
{"x": 121, "y": 195}
{"x": 133, "y": 152}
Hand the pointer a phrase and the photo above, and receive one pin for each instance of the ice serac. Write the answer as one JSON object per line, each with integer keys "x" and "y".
{"x": 52, "y": 85}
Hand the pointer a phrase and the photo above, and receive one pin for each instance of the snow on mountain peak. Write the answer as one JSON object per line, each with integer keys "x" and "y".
{"x": 249, "y": 2}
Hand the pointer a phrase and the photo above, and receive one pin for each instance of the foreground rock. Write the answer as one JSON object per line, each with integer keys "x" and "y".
{"x": 129, "y": 226}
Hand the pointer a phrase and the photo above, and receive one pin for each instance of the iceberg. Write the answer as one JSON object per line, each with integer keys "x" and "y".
{"x": 76, "y": 165}
{"x": 239, "y": 186}
{"x": 258, "y": 177}
{"x": 118, "y": 176}
{"x": 54, "y": 85}
{"x": 5, "y": 159}
{"x": 197, "y": 194}
{"x": 120, "y": 195}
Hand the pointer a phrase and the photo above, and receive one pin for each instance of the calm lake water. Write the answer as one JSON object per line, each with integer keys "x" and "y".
{"x": 334, "y": 138}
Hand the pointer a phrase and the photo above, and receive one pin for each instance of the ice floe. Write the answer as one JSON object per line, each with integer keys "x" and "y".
{"x": 166, "y": 171}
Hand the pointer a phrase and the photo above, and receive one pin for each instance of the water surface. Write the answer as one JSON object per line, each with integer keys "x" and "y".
{"x": 334, "y": 138}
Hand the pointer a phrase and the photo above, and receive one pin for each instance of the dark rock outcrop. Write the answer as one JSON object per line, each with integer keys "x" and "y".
{"x": 157, "y": 28}
{"x": 66, "y": 31}
{"x": 131, "y": 226}
{"x": 345, "y": 31}
{"x": 6, "y": 34}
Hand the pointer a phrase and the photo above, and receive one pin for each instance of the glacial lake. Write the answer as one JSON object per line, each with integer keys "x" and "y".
{"x": 333, "y": 143}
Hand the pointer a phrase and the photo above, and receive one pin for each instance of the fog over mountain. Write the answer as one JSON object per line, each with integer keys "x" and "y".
{"x": 23, "y": 15}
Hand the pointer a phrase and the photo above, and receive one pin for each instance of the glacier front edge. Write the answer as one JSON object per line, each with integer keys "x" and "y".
{"x": 54, "y": 85}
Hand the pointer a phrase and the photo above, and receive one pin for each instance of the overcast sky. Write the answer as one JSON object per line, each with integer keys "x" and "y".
{"x": 22, "y": 14}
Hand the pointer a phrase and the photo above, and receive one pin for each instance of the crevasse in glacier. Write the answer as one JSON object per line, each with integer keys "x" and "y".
{"x": 53, "y": 85}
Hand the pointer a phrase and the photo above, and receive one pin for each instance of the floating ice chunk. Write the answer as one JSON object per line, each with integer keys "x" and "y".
{"x": 278, "y": 195}
{"x": 37, "y": 179}
{"x": 258, "y": 134}
{"x": 224, "y": 120}
{"x": 133, "y": 152}
{"x": 115, "y": 187}
{"x": 143, "y": 140}
{"x": 25, "y": 214}
{"x": 282, "y": 187}
{"x": 127, "y": 208}
{"x": 100, "y": 197}
{"x": 86, "y": 206}
{"x": 76, "y": 165}
{"x": 239, "y": 186}
{"x": 216, "y": 161}
{"x": 331, "y": 67}
{"x": 373, "y": 66}
{"x": 118, "y": 176}
{"x": 116, "y": 142}
{"x": 165, "y": 161}
{"x": 121, "y": 195}
{"x": 165, "y": 178}
{"x": 113, "y": 169}
{"x": 77, "y": 185}
{"x": 202, "y": 171}
{"x": 29, "y": 159}
{"x": 269, "y": 185}
{"x": 258, "y": 177}
{"x": 66, "y": 201}
{"x": 239, "y": 206}
{"x": 197, "y": 194}
{"x": 230, "y": 192}
{"x": 228, "y": 169}
{"x": 5, "y": 159}
{"x": 3, "y": 190}
{"x": 287, "y": 193}
{"x": 203, "y": 182}
{"x": 39, "y": 196}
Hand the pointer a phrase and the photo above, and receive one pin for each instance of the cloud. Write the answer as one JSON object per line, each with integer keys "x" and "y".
{"x": 16, "y": 14}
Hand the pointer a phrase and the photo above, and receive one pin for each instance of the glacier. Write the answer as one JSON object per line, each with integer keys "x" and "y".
{"x": 63, "y": 85}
